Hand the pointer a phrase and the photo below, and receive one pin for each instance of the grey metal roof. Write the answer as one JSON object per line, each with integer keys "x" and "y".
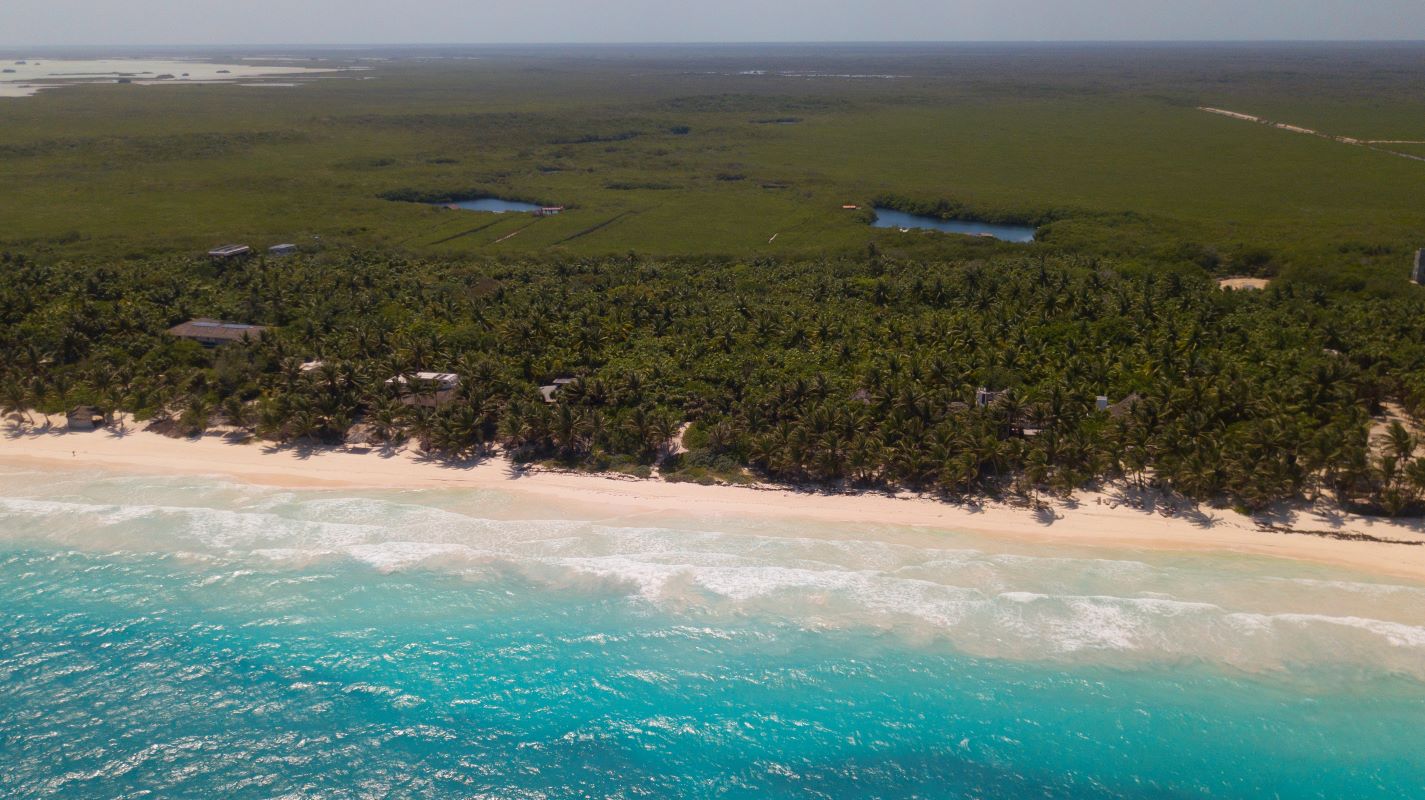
{"x": 203, "y": 328}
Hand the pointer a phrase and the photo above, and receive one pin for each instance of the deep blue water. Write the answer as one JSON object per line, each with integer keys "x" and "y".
{"x": 890, "y": 218}
{"x": 168, "y": 639}
{"x": 493, "y": 204}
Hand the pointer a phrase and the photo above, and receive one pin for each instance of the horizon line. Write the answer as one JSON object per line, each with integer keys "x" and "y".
{"x": 723, "y": 42}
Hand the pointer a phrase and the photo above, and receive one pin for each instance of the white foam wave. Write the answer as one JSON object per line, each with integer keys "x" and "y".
{"x": 1054, "y": 605}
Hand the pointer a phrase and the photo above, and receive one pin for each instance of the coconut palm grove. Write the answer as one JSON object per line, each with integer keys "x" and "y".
{"x": 961, "y": 379}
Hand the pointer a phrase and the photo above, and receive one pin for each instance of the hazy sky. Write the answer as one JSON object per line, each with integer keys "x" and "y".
{"x": 56, "y": 22}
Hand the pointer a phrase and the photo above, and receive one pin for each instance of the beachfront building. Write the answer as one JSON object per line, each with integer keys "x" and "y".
{"x": 426, "y": 389}
{"x": 83, "y": 418}
{"x": 215, "y": 332}
{"x": 229, "y": 251}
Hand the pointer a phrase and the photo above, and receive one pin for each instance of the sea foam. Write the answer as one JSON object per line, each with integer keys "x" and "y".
{"x": 1051, "y": 604}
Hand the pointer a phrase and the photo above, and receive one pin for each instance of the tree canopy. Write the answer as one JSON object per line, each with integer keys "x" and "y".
{"x": 861, "y": 371}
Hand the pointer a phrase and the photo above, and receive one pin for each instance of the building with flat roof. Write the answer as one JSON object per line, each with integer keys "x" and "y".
{"x": 214, "y": 332}
{"x": 230, "y": 251}
{"x": 428, "y": 389}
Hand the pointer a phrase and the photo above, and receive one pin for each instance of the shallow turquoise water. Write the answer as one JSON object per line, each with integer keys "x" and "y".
{"x": 198, "y": 639}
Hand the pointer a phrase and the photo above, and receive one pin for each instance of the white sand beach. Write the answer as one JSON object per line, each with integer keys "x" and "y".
{"x": 1114, "y": 518}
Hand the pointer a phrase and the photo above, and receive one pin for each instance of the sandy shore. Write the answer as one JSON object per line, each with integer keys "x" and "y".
{"x": 1110, "y": 519}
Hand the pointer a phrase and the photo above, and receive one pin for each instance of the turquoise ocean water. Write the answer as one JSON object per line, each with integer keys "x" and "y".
{"x": 164, "y": 637}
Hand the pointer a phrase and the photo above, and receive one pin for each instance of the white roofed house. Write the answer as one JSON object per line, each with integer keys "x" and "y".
{"x": 224, "y": 252}
{"x": 426, "y": 389}
{"x": 551, "y": 391}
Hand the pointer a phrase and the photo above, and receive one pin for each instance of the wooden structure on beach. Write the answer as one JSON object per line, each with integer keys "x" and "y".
{"x": 215, "y": 332}
{"x": 425, "y": 389}
{"x": 83, "y": 418}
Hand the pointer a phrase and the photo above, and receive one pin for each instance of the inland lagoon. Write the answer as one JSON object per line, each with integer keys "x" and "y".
{"x": 493, "y": 205}
{"x": 890, "y": 218}
{"x": 201, "y": 638}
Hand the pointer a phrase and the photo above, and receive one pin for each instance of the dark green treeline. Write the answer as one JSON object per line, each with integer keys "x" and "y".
{"x": 856, "y": 371}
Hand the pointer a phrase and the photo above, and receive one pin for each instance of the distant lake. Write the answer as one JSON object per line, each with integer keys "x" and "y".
{"x": 890, "y": 218}
{"x": 492, "y": 204}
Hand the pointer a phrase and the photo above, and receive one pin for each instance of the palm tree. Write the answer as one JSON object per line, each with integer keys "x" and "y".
{"x": 565, "y": 429}
{"x": 666, "y": 427}
{"x": 197, "y": 415}
{"x": 1399, "y": 442}
{"x": 386, "y": 421}
{"x": 15, "y": 400}
{"x": 238, "y": 414}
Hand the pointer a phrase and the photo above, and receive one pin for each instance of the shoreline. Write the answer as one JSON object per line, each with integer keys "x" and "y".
{"x": 1092, "y": 519}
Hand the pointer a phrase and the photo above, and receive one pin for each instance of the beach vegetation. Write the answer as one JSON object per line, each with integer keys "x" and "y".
{"x": 957, "y": 378}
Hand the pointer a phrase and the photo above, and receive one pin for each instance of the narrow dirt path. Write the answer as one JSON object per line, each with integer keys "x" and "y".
{"x": 1369, "y": 144}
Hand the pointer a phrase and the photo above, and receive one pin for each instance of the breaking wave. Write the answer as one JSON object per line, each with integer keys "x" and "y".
{"x": 1080, "y": 606}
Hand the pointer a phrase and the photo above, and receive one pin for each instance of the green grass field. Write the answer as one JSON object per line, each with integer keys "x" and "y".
{"x": 672, "y": 151}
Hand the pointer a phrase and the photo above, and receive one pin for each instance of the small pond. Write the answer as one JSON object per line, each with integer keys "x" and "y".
{"x": 890, "y": 218}
{"x": 493, "y": 204}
